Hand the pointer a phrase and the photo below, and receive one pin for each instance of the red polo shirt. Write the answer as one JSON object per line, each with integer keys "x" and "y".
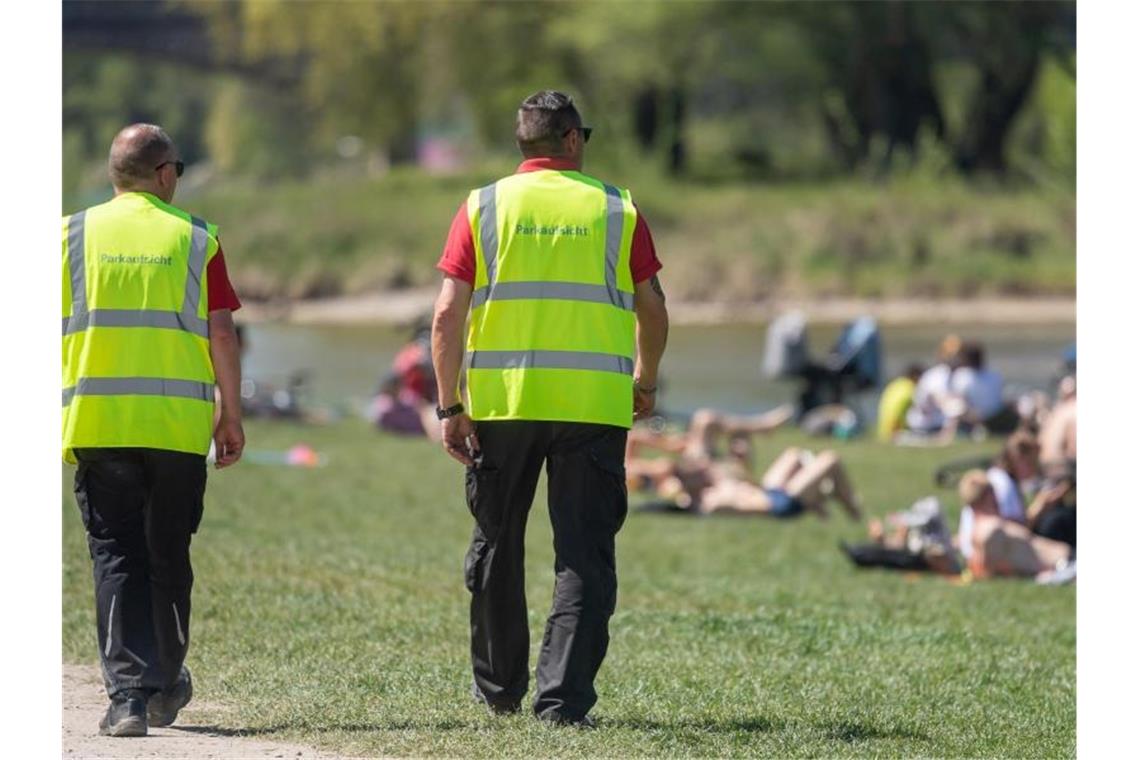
{"x": 219, "y": 292}
{"x": 458, "y": 258}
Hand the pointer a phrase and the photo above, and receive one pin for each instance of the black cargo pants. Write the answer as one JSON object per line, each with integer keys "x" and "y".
{"x": 585, "y": 468}
{"x": 140, "y": 507}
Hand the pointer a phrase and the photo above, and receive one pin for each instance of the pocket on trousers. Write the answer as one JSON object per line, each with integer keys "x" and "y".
{"x": 611, "y": 495}
{"x": 198, "y": 493}
{"x": 80, "y": 490}
{"x": 473, "y": 564}
{"x": 484, "y": 499}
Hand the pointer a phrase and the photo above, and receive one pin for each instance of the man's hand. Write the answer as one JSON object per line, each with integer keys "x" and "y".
{"x": 459, "y": 438}
{"x": 643, "y": 402}
{"x": 229, "y": 440}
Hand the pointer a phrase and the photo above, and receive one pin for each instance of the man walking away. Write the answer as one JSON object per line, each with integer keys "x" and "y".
{"x": 567, "y": 327}
{"x": 147, "y": 331}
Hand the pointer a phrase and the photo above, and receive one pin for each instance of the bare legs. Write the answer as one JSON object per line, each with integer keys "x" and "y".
{"x": 811, "y": 483}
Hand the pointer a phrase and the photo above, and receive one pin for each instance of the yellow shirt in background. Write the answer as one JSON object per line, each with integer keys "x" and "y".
{"x": 893, "y": 404}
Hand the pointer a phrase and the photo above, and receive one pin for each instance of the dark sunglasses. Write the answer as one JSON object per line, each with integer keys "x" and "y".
{"x": 586, "y": 132}
{"x": 179, "y": 167}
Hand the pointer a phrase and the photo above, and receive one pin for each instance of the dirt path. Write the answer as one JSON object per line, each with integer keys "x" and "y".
{"x": 84, "y": 702}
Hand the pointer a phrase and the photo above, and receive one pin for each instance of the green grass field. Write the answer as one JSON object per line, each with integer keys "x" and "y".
{"x": 329, "y": 609}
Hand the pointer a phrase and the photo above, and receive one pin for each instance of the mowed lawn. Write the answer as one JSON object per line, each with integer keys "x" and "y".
{"x": 329, "y": 608}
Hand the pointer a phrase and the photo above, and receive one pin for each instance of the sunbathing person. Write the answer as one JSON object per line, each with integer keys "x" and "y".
{"x": 699, "y": 480}
{"x": 999, "y": 547}
{"x": 915, "y": 539}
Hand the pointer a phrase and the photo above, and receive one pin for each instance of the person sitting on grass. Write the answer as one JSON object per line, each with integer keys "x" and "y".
{"x": 926, "y": 416}
{"x": 894, "y": 402}
{"x": 1058, "y": 435}
{"x": 996, "y": 546}
{"x": 1017, "y": 465}
{"x": 978, "y": 390}
{"x": 699, "y": 481}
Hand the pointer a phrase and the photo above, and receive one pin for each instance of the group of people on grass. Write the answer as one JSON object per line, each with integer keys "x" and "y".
{"x": 1018, "y": 513}
{"x": 959, "y": 393}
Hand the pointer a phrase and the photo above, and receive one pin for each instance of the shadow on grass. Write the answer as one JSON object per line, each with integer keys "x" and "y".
{"x": 845, "y": 731}
{"x": 351, "y": 728}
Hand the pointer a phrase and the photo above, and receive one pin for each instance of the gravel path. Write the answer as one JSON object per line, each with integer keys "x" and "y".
{"x": 84, "y": 702}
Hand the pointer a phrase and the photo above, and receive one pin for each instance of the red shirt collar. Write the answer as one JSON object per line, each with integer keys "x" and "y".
{"x": 543, "y": 162}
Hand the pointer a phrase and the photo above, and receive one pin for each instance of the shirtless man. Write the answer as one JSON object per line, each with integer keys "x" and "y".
{"x": 1058, "y": 436}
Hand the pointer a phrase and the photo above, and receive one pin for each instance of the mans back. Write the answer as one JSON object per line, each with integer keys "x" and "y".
{"x": 553, "y": 299}
{"x": 547, "y": 262}
{"x": 136, "y": 354}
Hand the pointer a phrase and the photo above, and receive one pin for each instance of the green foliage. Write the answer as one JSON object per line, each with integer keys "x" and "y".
{"x": 924, "y": 232}
{"x": 255, "y": 133}
{"x": 329, "y": 609}
{"x": 745, "y": 91}
{"x": 104, "y": 93}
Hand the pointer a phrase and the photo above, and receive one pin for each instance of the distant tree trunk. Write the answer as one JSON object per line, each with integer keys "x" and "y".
{"x": 677, "y": 150}
{"x": 886, "y": 82}
{"x": 1001, "y": 94}
{"x": 645, "y": 117}
{"x": 1007, "y": 45}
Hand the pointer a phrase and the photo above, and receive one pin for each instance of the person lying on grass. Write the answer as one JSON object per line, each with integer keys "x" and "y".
{"x": 698, "y": 480}
{"x": 1000, "y": 547}
{"x": 913, "y": 539}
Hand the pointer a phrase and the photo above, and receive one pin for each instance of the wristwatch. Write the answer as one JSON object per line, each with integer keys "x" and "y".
{"x": 450, "y": 411}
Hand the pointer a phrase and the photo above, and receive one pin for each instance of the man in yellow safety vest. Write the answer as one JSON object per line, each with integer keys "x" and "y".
{"x": 147, "y": 333}
{"x": 567, "y": 328}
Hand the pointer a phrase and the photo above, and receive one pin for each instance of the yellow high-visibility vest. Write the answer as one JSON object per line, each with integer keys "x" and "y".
{"x": 552, "y": 327}
{"x": 136, "y": 349}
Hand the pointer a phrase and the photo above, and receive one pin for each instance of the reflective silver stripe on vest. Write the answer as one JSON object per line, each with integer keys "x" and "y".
{"x": 199, "y": 244}
{"x": 615, "y": 224}
{"x": 489, "y": 232}
{"x": 131, "y": 318}
{"x": 139, "y": 386}
{"x": 186, "y": 320}
{"x": 76, "y": 262}
{"x": 550, "y": 360}
{"x": 563, "y": 291}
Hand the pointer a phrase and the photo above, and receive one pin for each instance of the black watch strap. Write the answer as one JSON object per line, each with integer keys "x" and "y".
{"x": 450, "y": 411}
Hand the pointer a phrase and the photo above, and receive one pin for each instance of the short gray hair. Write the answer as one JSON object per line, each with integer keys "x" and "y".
{"x": 135, "y": 152}
{"x": 543, "y": 119}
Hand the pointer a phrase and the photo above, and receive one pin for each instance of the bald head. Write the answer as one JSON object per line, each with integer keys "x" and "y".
{"x": 135, "y": 153}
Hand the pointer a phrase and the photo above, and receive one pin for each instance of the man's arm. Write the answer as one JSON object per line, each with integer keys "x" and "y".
{"x": 652, "y": 334}
{"x": 229, "y": 438}
{"x": 447, "y": 358}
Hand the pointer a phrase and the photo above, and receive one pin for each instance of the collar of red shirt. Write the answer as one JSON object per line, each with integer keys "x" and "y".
{"x": 538, "y": 164}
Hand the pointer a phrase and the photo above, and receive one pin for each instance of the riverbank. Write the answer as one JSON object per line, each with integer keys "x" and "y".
{"x": 401, "y": 307}
{"x": 908, "y": 239}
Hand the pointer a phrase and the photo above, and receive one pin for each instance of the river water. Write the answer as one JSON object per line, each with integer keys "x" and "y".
{"x": 715, "y": 366}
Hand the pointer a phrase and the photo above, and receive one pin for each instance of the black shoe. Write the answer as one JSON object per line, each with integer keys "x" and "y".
{"x": 163, "y": 706}
{"x": 557, "y": 719}
{"x": 126, "y": 715}
{"x": 503, "y": 708}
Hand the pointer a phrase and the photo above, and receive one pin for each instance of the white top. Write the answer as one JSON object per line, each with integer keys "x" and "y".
{"x": 1008, "y": 496}
{"x": 925, "y": 414}
{"x": 981, "y": 388}
{"x": 965, "y": 532}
